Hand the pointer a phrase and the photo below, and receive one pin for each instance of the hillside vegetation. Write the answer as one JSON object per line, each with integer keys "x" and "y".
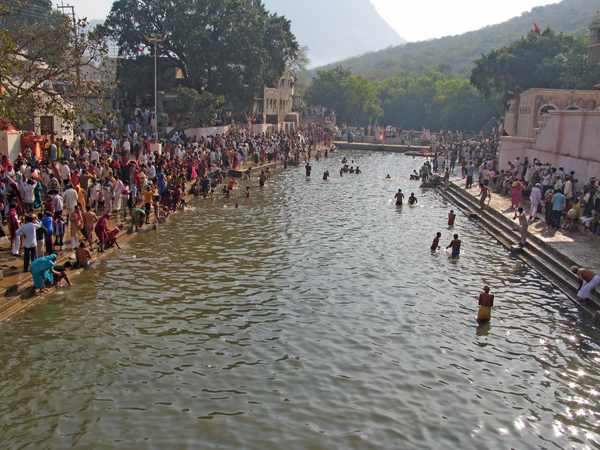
{"x": 459, "y": 52}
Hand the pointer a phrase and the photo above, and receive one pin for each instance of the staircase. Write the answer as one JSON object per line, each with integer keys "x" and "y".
{"x": 551, "y": 264}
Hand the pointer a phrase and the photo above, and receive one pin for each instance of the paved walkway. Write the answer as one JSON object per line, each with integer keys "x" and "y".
{"x": 580, "y": 246}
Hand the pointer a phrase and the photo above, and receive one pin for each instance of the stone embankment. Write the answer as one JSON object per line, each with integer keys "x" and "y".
{"x": 551, "y": 252}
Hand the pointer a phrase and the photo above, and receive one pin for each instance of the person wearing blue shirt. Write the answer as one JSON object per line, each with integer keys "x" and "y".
{"x": 47, "y": 224}
{"x": 558, "y": 204}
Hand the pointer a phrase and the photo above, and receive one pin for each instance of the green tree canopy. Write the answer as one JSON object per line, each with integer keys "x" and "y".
{"x": 542, "y": 60}
{"x": 434, "y": 100}
{"x": 192, "y": 109}
{"x": 48, "y": 65}
{"x": 226, "y": 47}
{"x": 352, "y": 97}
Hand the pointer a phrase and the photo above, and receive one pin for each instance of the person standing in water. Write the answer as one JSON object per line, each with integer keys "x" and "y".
{"x": 326, "y": 174}
{"x": 399, "y": 196}
{"x": 455, "y": 244}
{"x": 436, "y": 242}
{"x": 451, "y": 217}
{"x": 486, "y": 301}
{"x": 308, "y": 169}
{"x": 412, "y": 199}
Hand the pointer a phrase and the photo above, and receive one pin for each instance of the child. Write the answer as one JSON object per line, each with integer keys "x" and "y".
{"x": 248, "y": 191}
{"x": 59, "y": 228}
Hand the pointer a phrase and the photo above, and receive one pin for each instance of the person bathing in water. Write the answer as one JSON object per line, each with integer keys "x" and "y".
{"x": 451, "y": 217}
{"x": 486, "y": 301}
{"x": 455, "y": 244}
{"x": 412, "y": 199}
{"x": 436, "y": 242}
{"x": 399, "y": 196}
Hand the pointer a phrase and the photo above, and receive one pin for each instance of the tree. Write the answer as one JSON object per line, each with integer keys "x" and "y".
{"x": 434, "y": 100}
{"x": 326, "y": 89}
{"x": 227, "y": 47}
{"x": 192, "y": 109}
{"x": 48, "y": 65}
{"x": 360, "y": 104}
{"x": 546, "y": 60}
{"x": 352, "y": 97}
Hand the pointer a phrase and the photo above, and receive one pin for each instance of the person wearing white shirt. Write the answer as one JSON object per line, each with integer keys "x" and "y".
{"x": 568, "y": 188}
{"x": 28, "y": 195}
{"x": 30, "y": 242}
{"x": 151, "y": 171}
{"x": 70, "y": 200}
{"x": 536, "y": 198}
{"x": 65, "y": 173}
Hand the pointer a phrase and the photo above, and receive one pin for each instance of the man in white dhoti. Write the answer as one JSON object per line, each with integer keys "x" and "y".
{"x": 587, "y": 281}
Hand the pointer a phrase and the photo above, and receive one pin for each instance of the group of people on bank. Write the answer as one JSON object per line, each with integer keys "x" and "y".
{"x": 73, "y": 190}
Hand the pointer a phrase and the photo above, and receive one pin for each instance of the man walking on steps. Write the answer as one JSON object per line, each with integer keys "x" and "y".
{"x": 523, "y": 224}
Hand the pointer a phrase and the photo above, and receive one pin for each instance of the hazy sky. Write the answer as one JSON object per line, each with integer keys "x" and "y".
{"x": 413, "y": 20}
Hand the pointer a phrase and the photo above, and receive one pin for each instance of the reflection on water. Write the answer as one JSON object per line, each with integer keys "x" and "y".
{"x": 314, "y": 316}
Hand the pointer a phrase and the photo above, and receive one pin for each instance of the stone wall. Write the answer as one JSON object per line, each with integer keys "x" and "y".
{"x": 528, "y": 109}
{"x": 566, "y": 139}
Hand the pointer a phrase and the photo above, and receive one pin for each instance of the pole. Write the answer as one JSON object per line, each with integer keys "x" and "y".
{"x": 76, "y": 46}
{"x": 156, "y": 39}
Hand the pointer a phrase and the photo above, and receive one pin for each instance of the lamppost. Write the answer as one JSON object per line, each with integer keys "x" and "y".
{"x": 156, "y": 39}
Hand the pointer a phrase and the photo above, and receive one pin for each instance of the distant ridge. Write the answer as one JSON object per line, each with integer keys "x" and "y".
{"x": 459, "y": 52}
{"x": 336, "y": 29}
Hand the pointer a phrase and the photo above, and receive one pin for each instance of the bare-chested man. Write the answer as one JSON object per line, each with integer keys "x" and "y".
{"x": 436, "y": 242}
{"x": 486, "y": 301}
{"x": 455, "y": 244}
{"x": 89, "y": 219}
{"x": 451, "y": 217}
{"x": 83, "y": 255}
{"x": 588, "y": 280}
{"x": 399, "y": 196}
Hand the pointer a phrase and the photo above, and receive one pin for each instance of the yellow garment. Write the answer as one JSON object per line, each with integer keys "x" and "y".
{"x": 148, "y": 195}
{"x": 485, "y": 313}
{"x": 80, "y": 196}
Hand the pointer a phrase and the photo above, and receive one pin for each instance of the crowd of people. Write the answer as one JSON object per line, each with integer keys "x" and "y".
{"x": 74, "y": 189}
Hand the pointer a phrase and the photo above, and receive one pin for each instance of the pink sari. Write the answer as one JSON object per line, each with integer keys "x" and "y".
{"x": 516, "y": 193}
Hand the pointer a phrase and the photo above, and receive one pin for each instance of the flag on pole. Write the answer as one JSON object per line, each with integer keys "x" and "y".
{"x": 537, "y": 29}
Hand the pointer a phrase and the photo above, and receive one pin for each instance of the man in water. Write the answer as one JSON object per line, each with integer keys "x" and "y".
{"x": 388, "y": 177}
{"x": 523, "y": 224}
{"x": 455, "y": 244}
{"x": 412, "y": 199}
{"x": 308, "y": 169}
{"x": 399, "y": 196}
{"x": 588, "y": 280}
{"x": 262, "y": 178}
{"x": 451, "y": 217}
{"x": 436, "y": 242}
{"x": 83, "y": 255}
{"x": 486, "y": 301}
{"x": 326, "y": 174}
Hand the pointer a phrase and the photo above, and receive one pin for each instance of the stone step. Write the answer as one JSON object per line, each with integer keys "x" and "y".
{"x": 538, "y": 254}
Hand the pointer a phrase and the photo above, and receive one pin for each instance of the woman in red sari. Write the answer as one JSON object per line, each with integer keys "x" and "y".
{"x": 516, "y": 193}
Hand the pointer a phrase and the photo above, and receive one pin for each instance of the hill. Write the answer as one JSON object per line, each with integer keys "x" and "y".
{"x": 459, "y": 52}
{"x": 336, "y": 29}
